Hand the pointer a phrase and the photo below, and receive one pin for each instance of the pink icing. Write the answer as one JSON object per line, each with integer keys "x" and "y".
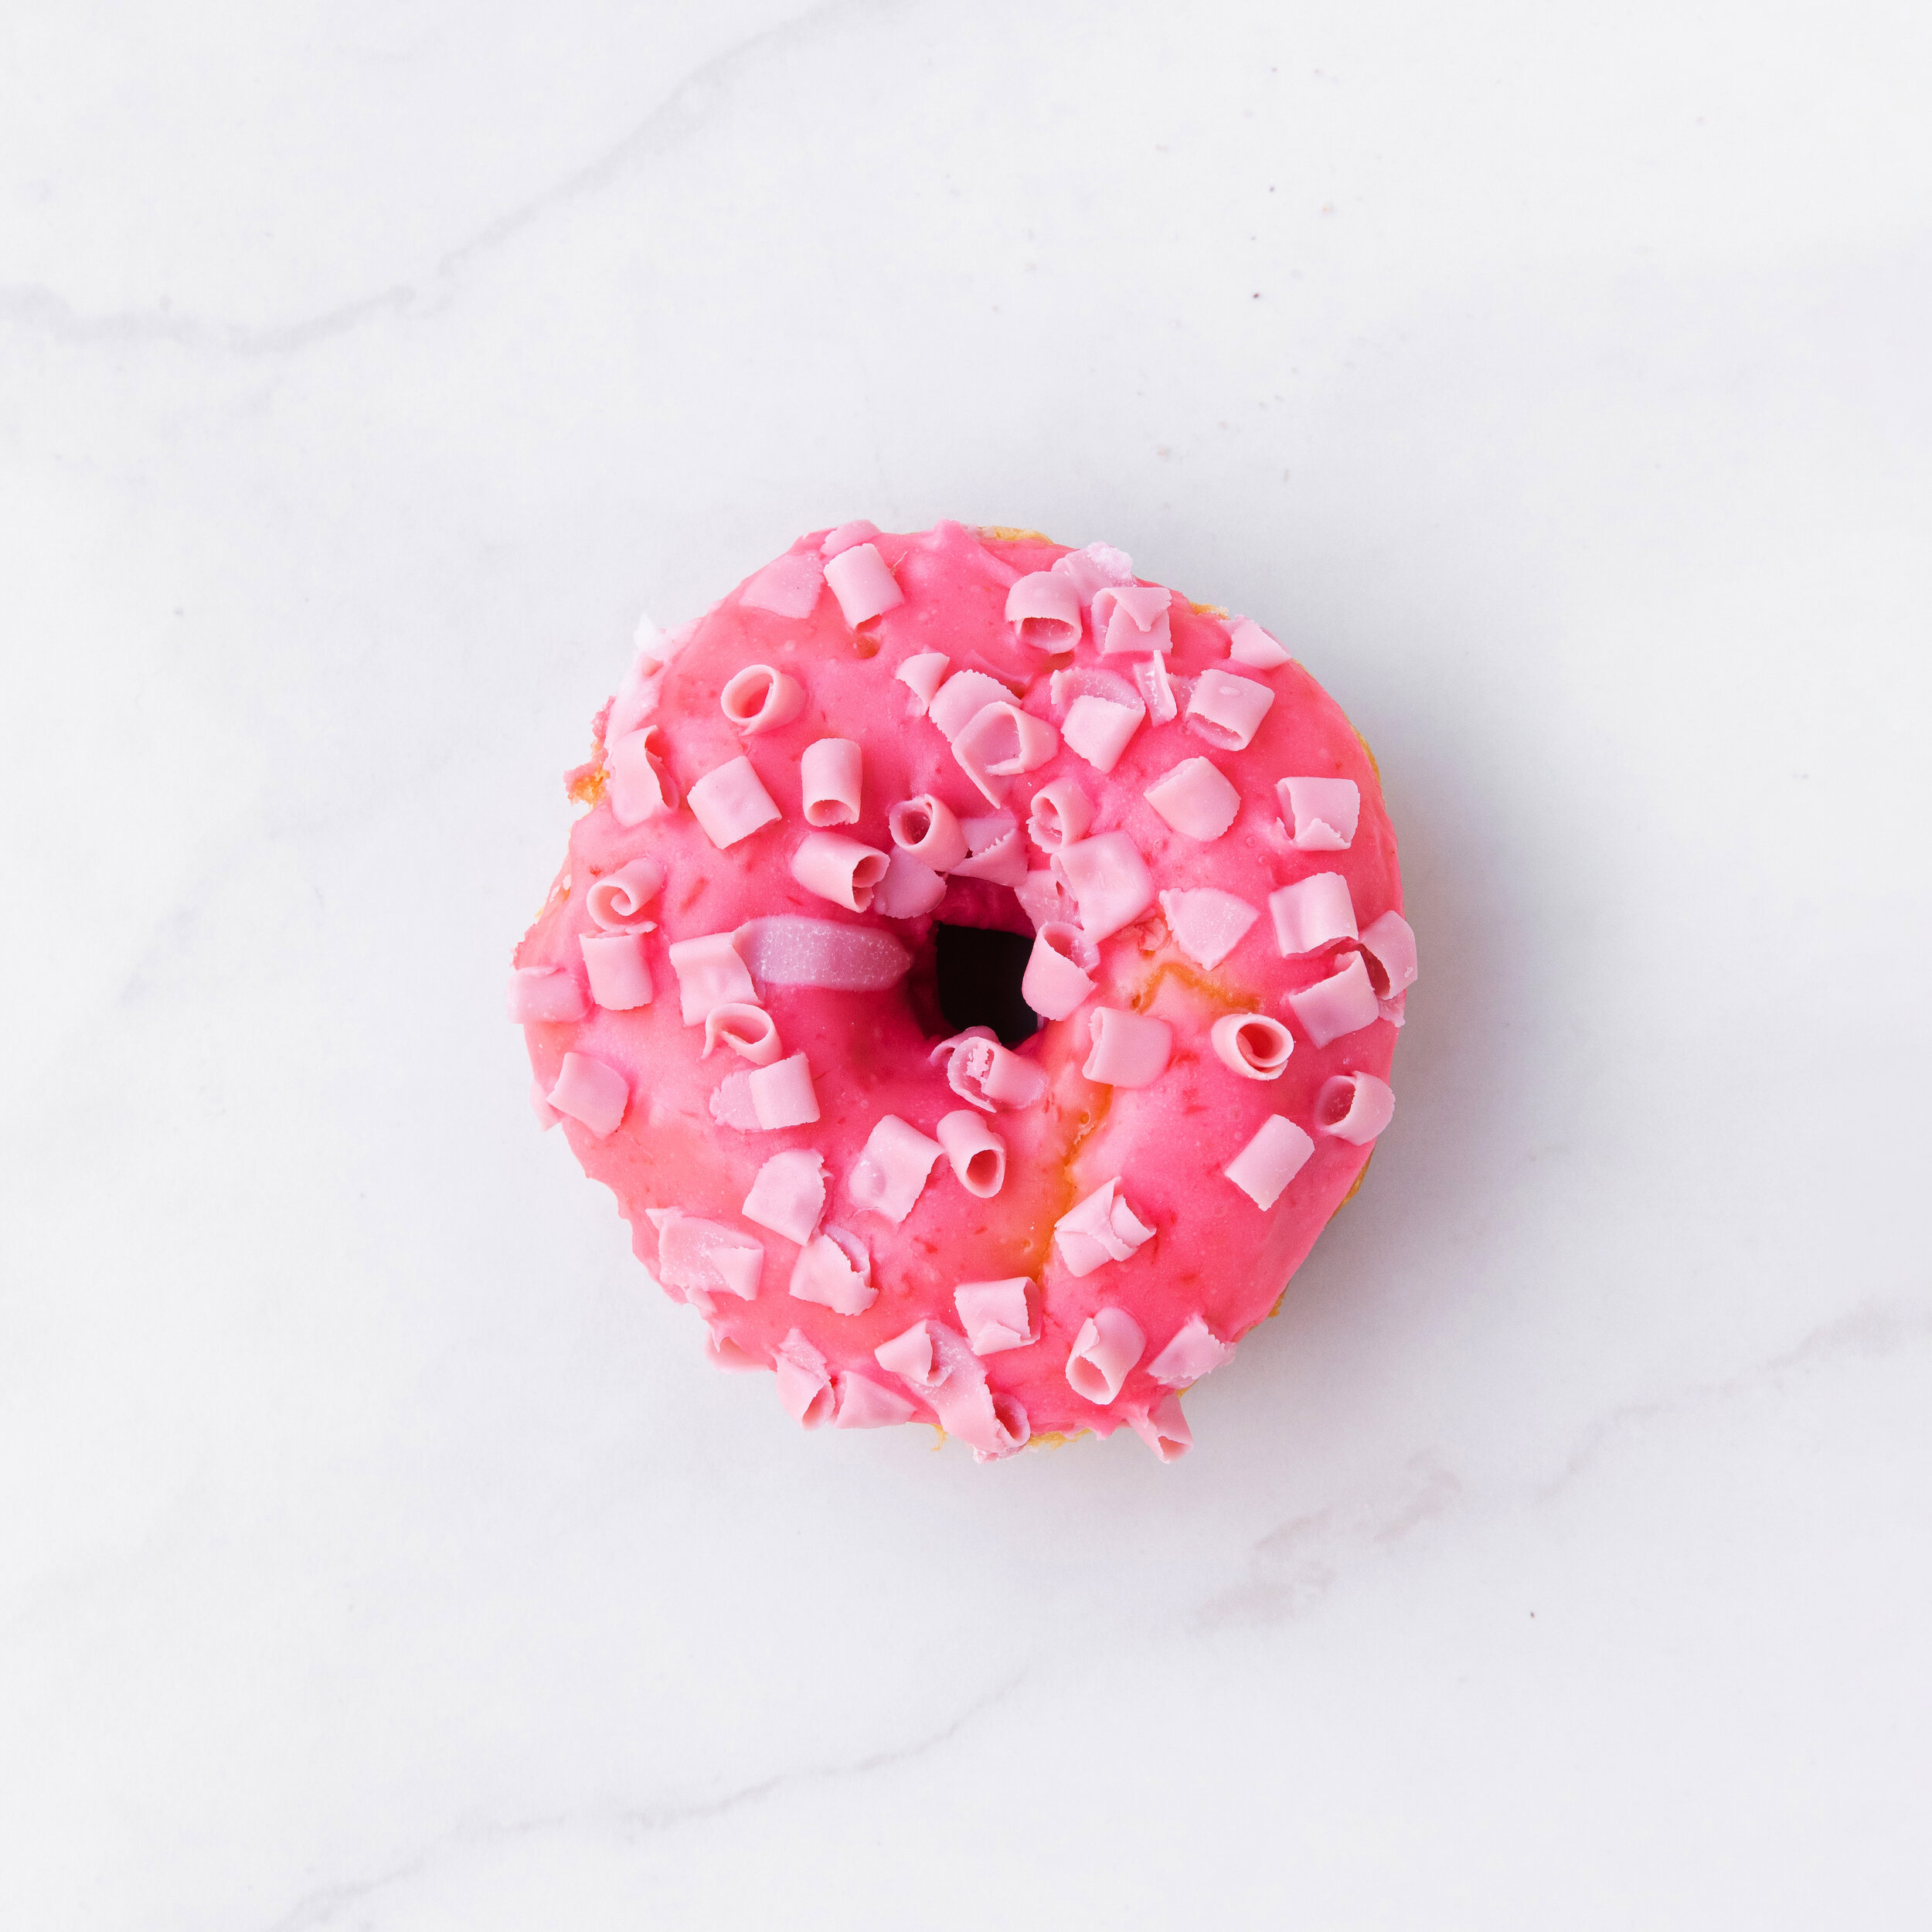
{"x": 785, "y": 949}
{"x": 1100, "y": 731}
{"x": 1343, "y": 1004}
{"x": 996, "y": 850}
{"x": 1277, "y": 1154}
{"x": 616, "y": 901}
{"x": 995, "y": 1315}
{"x": 1130, "y": 1050}
{"x": 1227, "y": 710}
{"x": 547, "y": 1116}
{"x": 759, "y": 699}
{"x": 641, "y": 788}
{"x": 1110, "y": 880}
{"x": 867, "y": 1022}
{"x": 890, "y": 1174}
{"x": 1163, "y": 1428}
{"x": 710, "y": 973}
{"x": 1313, "y": 912}
{"x": 1197, "y": 800}
{"x": 1107, "y": 1348}
{"x": 978, "y": 1154}
{"x": 1207, "y": 923}
{"x": 924, "y": 829}
{"x": 787, "y": 588}
{"x": 731, "y": 803}
{"x": 1320, "y": 813}
{"x": 539, "y": 995}
{"x": 839, "y": 869}
{"x": 864, "y": 586}
{"x": 805, "y": 1384}
{"x": 1356, "y": 1107}
{"x": 620, "y": 975}
{"x": 1059, "y": 970}
{"x": 789, "y": 1194}
{"x": 834, "y": 1270}
{"x": 1194, "y": 1351}
{"x": 830, "y": 779}
{"x": 1001, "y": 743}
{"x": 1103, "y": 1228}
{"x": 865, "y": 1402}
{"x": 1252, "y": 1045}
{"x": 1390, "y": 944}
{"x": 1132, "y": 616}
{"x": 1059, "y": 815}
{"x": 1248, "y": 644}
{"x": 1045, "y": 611}
{"x": 590, "y": 1093}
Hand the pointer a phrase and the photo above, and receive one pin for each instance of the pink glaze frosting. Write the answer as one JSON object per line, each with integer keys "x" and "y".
{"x": 1126, "y": 1196}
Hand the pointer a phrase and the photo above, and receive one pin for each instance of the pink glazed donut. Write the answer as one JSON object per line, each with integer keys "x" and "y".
{"x": 976, "y": 976}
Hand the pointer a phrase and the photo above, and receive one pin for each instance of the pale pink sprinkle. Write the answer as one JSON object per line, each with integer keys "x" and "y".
{"x": 864, "y": 586}
{"x": 1100, "y": 731}
{"x": 1163, "y": 1428}
{"x": 1100, "y": 1228}
{"x": 759, "y": 699}
{"x": 912, "y": 1356}
{"x": 982, "y": 1071}
{"x": 637, "y": 694}
{"x": 620, "y": 974}
{"x": 1196, "y": 799}
{"x": 845, "y": 535}
{"x": 1156, "y": 689}
{"x": 1132, "y": 616}
{"x": 1044, "y": 608}
{"x": 541, "y": 993}
{"x": 962, "y": 698}
{"x": 705, "y": 1257}
{"x": 1227, "y": 710}
{"x": 788, "y": 1195}
{"x": 1394, "y": 1010}
{"x": 830, "y": 777}
{"x": 926, "y": 830}
{"x": 1130, "y": 1050}
{"x": 1343, "y": 1004}
{"x": 640, "y": 786}
{"x": 1248, "y": 644}
{"x": 591, "y": 1092}
{"x": 787, "y": 588}
{"x": 1098, "y": 564}
{"x": 1044, "y": 899}
{"x": 1356, "y": 1107}
{"x": 995, "y": 1314}
{"x": 890, "y": 1173}
{"x": 1087, "y": 680}
{"x": 1207, "y": 923}
{"x": 999, "y": 743}
{"x": 1320, "y": 813}
{"x": 1311, "y": 913}
{"x": 1059, "y": 815}
{"x": 804, "y": 1389}
{"x": 547, "y": 1116}
{"x": 1011, "y": 1430}
{"x": 839, "y": 868}
{"x": 908, "y": 888}
{"x": 710, "y": 972}
{"x": 730, "y": 803}
{"x": 978, "y": 1154}
{"x": 923, "y": 675}
{"x": 1059, "y": 970}
{"x": 834, "y": 1270}
{"x": 789, "y": 949}
{"x": 1270, "y": 1160}
{"x": 1110, "y": 878}
{"x": 616, "y": 901}
{"x": 783, "y": 1093}
{"x": 865, "y": 1404}
{"x": 1195, "y": 1350}
{"x": 1254, "y": 1045}
{"x": 1109, "y": 1344}
{"x": 748, "y": 1030}
{"x": 1390, "y": 943}
{"x": 996, "y": 850}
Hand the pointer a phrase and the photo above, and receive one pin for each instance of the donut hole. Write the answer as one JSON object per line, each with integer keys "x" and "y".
{"x": 979, "y": 974}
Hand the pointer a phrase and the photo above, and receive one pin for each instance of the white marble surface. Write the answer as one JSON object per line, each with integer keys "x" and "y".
{"x": 376, "y": 1552}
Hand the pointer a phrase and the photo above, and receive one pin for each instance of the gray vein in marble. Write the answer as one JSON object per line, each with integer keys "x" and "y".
{"x": 325, "y": 1906}
{"x": 29, "y": 307}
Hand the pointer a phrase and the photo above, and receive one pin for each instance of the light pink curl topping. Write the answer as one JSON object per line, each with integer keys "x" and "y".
{"x": 710, "y": 972}
{"x": 980, "y": 1070}
{"x": 924, "y": 829}
{"x": 1163, "y": 1428}
{"x": 541, "y": 993}
{"x": 1343, "y": 1003}
{"x": 1355, "y": 1108}
{"x": 830, "y": 778}
{"x": 1313, "y": 912}
{"x": 839, "y": 868}
{"x": 1130, "y": 1050}
{"x": 890, "y": 1173}
{"x": 1253, "y": 1044}
{"x": 1104, "y": 1353}
{"x": 804, "y": 1387}
{"x": 731, "y": 803}
{"x": 759, "y": 699}
{"x": 616, "y": 901}
{"x": 865, "y": 587}
{"x": 592, "y": 1093}
{"x": 1207, "y": 923}
{"x": 789, "y": 1194}
{"x": 1110, "y": 878}
{"x": 641, "y": 787}
{"x": 1100, "y": 731}
{"x": 995, "y": 1315}
{"x": 1131, "y": 617}
{"x": 1059, "y": 970}
{"x": 1320, "y": 813}
{"x": 1059, "y": 814}
{"x": 1197, "y": 800}
{"x": 978, "y": 1154}
{"x": 1227, "y": 710}
{"x": 1270, "y": 1160}
{"x": 789, "y": 949}
{"x": 1102, "y": 1228}
{"x": 748, "y": 1030}
{"x": 1248, "y": 644}
{"x": 999, "y": 743}
{"x": 1045, "y": 611}
{"x": 834, "y": 1270}
{"x": 619, "y": 974}
{"x": 786, "y": 588}
{"x": 1194, "y": 1351}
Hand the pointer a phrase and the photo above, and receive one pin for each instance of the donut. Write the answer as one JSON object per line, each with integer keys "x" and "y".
{"x": 975, "y": 972}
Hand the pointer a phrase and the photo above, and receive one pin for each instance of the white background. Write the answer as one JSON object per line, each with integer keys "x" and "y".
{"x": 376, "y": 1552}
